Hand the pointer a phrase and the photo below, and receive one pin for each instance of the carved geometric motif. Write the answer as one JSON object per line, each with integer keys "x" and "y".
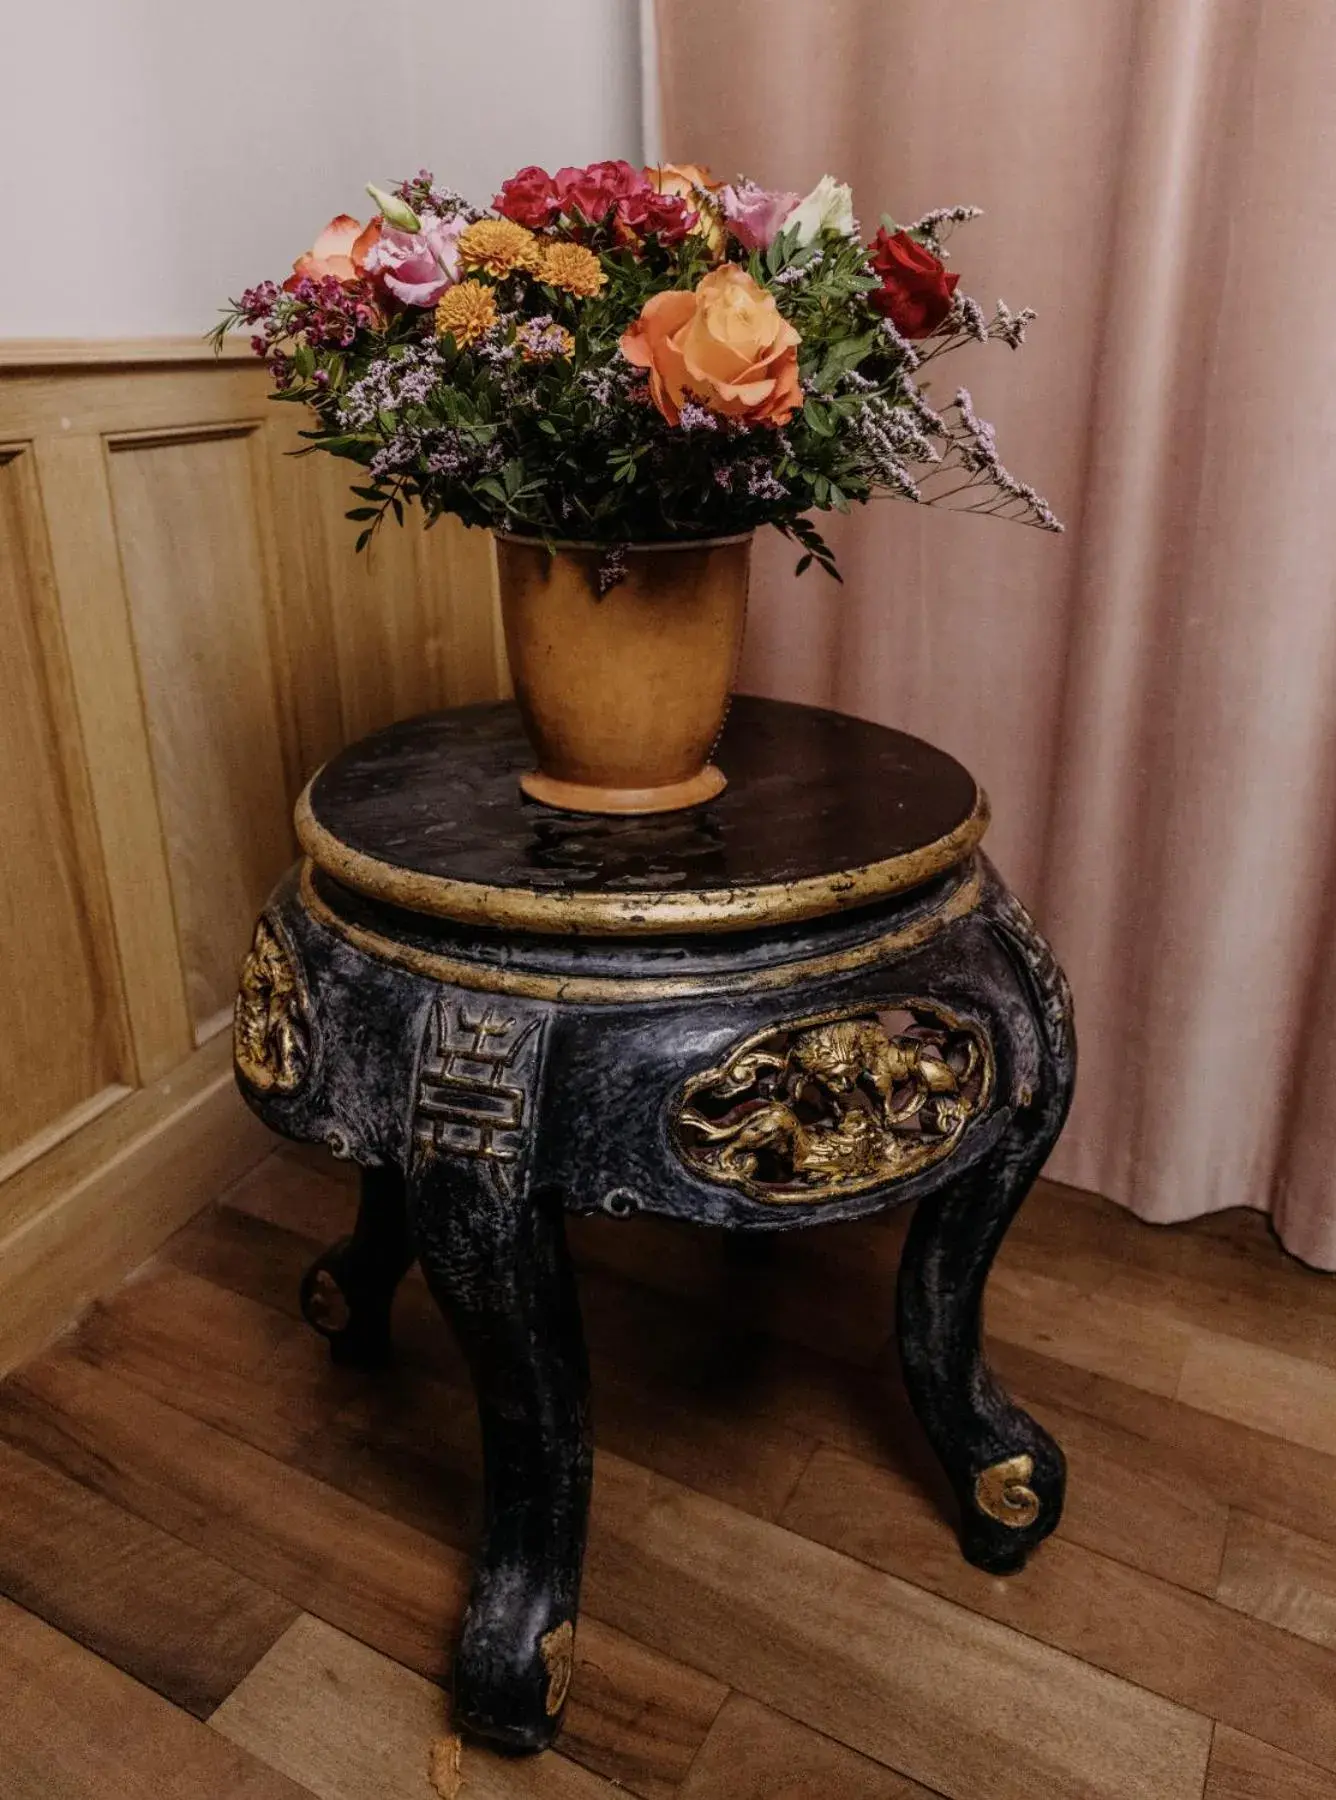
{"x": 476, "y": 1084}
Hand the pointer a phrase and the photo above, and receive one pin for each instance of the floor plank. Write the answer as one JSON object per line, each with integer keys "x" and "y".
{"x": 1281, "y": 1576}
{"x": 1087, "y": 1328}
{"x": 173, "y": 1618}
{"x": 691, "y": 1395}
{"x": 1243, "y": 1769}
{"x": 1240, "y": 1465}
{"x": 1183, "y": 1646}
{"x": 753, "y": 1753}
{"x": 952, "y": 1700}
{"x": 361, "y": 1570}
{"x": 633, "y": 1715}
{"x": 1269, "y": 1390}
{"x": 683, "y": 1416}
{"x": 1226, "y": 1275}
{"x": 349, "y": 1724}
{"x": 189, "y": 1474}
{"x": 72, "y": 1727}
{"x": 303, "y": 1187}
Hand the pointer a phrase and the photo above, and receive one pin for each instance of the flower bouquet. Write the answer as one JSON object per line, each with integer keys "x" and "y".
{"x": 623, "y": 373}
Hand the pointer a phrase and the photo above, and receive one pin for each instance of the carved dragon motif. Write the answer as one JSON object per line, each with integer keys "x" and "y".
{"x": 826, "y": 1106}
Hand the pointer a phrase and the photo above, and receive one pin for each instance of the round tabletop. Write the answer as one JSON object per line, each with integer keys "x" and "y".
{"x": 822, "y": 812}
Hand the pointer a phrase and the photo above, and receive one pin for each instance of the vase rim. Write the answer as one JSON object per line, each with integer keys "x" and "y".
{"x": 556, "y": 543}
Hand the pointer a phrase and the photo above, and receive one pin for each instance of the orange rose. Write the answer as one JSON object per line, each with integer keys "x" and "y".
{"x": 726, "y": 346}
{"x": 340, "y": 250}
{"x": 680, "y": 178}
{"x": 694, "y": 184}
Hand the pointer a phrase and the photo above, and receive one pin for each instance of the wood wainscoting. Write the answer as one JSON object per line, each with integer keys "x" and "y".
{"x": 185, "y": 635}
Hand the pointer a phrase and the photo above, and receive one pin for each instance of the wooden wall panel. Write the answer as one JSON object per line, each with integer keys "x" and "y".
{"x": 185, "y": 635}
{"x": 194, "y": 564}
{"x": 434, "y": 644}
{"x": 60, "y": 1045}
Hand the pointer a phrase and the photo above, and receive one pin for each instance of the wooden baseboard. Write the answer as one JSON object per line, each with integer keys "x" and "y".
{"x": 103, "y": 1201}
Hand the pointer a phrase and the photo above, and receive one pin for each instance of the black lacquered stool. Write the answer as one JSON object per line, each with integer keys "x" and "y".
{"x": 807, "y": 1000}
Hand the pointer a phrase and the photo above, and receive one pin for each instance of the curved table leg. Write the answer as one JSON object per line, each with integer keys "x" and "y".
{"x": 497, "y": 1265}
{"x": 1007, "y": 1472}
{"x": 348, "y": 1291}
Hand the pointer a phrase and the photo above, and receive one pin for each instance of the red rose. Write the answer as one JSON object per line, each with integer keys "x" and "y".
{"x": 529, "y": 198}
{"x": 646, "y": 212}
{"x": 915, "y": 292}
{"x": 595, "y": 191}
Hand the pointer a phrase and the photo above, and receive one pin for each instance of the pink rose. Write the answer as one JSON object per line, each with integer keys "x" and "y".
{"x": 418, "y": 266}
{"x": 754, "y": 214}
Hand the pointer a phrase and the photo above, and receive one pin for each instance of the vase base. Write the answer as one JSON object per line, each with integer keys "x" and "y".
{"x": 581, "y": 797}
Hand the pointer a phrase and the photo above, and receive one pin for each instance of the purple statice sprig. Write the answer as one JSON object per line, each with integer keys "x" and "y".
{"x": 422, "y": 194}
{"x": 967, "y": 323}
{"x": 936, "y": 226}
{"x": 691, "y": 416}
{"x": 611, "y": 569}
{"x": 970, "y": 455}
{"x": 390, "y": 385}
{"x": 542, "y": 337}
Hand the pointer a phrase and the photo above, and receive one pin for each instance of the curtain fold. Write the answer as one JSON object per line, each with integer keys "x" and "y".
{"x": 1150, "y": 700}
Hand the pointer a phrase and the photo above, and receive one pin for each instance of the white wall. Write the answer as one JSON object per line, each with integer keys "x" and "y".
{"x": 157, "y": 156}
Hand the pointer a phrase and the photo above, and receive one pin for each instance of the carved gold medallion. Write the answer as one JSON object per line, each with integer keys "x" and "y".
{"x": 832, "y": 1105}
{"x": 1003, "y": 1492}
{"x": 271, "y": 1032}
{"x": 558, "y": 1652}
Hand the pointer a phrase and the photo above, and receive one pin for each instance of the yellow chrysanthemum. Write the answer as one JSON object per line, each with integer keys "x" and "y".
{"x": 499, "y": 247}
{"x": 466, "y": 311}
{"x": 572, "y": 267}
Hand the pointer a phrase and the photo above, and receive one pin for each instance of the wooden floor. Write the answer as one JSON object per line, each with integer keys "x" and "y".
{"x": 231, "y": 1570}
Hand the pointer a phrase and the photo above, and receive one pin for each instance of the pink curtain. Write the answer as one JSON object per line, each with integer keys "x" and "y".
{"x": 1151, "y": 700}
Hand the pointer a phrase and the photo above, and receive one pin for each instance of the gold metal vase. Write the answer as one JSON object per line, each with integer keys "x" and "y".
{"x": 624, "y": 694}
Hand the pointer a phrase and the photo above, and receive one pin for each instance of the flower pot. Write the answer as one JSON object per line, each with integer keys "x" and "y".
{"x": 623, "y": 695}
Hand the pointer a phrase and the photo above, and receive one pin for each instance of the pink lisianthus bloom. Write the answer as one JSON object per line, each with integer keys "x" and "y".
{"x": 754, "y": 214}
{"x": 417, "y": 266}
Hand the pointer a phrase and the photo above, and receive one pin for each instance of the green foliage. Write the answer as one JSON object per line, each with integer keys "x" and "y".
{"x": 571, "y": 445}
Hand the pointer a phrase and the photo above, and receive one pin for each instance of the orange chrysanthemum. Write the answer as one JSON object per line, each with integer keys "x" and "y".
{"x": 465, "y": 312}
{"x": 573, "y": 267}
{"x": 498, "y": 247}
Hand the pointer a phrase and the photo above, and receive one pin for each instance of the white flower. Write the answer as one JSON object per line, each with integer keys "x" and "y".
{"x": 829, "y": 207}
